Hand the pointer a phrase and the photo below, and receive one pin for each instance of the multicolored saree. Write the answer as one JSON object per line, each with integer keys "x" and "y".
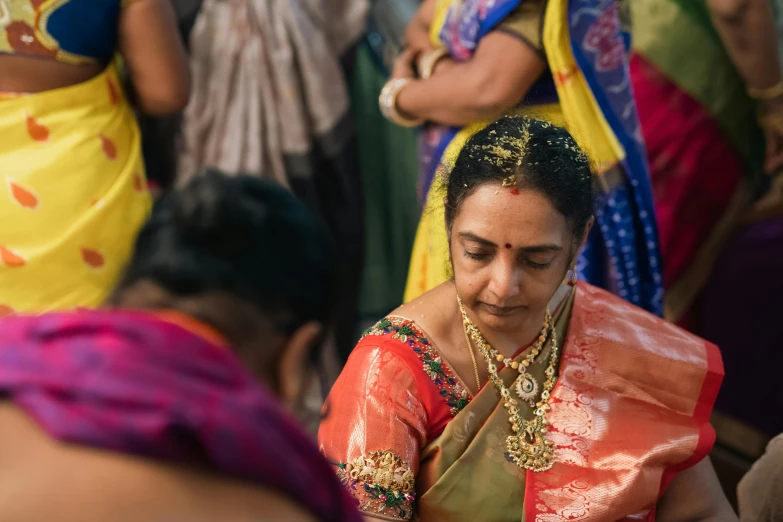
{"x": 630, "y": 410}
{"x": 704, "y": 146}
{"x": 586, "y": 48}
{"x": 162, "y": 387}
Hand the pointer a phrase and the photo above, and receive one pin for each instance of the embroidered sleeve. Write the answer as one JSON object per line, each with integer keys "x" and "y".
{"x": 448, "y": 387}
{"x": 373, "y": 428}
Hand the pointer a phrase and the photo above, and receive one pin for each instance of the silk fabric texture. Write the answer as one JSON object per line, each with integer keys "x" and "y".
{"x": 166, "y": 387}
{"x": 630, "y": 410}
{"x": 72, "y": 195}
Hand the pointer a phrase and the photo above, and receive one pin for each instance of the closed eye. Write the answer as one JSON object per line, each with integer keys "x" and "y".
{"x": 537, "y": 266}
{"x": 477, "y": 256}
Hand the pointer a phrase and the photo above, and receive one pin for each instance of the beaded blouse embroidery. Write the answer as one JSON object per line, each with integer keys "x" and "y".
{"x": 406, "y": 331}
{"x": 381, "y": 482}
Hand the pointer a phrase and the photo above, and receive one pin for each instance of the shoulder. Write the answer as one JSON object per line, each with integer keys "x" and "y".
{"x": 155, "y": 490}
{"x": 398, "y": 348}
{"x": 680, "y": 369}
{"x": 598, "y": 308}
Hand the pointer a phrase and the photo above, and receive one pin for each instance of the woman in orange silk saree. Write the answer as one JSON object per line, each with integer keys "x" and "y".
{"x": 625, "y": 397}
{"x": 412, "y": 433}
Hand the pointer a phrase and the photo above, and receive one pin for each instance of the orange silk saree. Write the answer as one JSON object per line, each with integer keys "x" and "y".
{"x": 630, "y": 410}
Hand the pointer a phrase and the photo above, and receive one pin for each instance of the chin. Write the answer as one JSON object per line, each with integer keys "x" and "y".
{"x": 501, "y": 322}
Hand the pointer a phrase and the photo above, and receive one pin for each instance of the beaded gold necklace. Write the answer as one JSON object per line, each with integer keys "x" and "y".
{"x": 527, "y": 447}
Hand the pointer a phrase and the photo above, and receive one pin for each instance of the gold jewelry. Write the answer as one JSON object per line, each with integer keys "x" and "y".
{"x": 771, "y": 121}
{"x": 527, "y": 447}
{"x": 387, "y": 102}
{"x": 526, "y": 385}
{"x": 473, "y": 358}
{"x": 574, "y": 276}
{"x": 430, "y": 60}
{"x": 769, "y": 93}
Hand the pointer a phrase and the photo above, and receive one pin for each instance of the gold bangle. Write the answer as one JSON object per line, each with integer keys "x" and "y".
{"x": 769, "y": 93}
{"x": 387, "y": 102}
{"x": 771, "y": 121}
{"x": 430, "y": 60}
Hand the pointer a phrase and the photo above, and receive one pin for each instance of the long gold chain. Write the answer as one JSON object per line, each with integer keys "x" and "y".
{"x": 527, "y": 447}
{"x": 473, "y": 358}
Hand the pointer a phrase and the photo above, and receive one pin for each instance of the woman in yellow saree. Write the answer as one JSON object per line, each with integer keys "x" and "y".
{"x": 72, "y": 186}
{"x": 561, "y": 61}
{"x": 505, "y": 394}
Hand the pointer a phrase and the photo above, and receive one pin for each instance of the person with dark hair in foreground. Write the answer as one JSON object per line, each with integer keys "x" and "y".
{"x": 165, "y": 404}
{"x": 505, "y": 394}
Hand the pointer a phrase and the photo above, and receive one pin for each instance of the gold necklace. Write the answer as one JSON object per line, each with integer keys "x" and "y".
{"x": 473, "y": 358}
{"x": 527, "y": 447}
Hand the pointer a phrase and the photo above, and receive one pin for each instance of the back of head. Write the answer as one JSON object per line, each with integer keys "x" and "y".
{"x": 242, "y": 237}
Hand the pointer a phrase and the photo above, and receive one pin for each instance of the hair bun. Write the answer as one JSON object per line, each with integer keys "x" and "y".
{"x": 208, "y": 207}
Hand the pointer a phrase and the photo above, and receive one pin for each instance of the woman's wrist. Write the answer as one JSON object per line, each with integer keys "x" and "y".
{"x": 387, "y": 102}
{"x": 770, "y": 93}
{"x": 770, "y": 112}
{"x": 429, "y": 61}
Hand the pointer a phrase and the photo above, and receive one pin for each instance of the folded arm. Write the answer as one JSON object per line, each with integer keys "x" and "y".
{"x": 492, "y": 82}
{"x": 155, "y": 55}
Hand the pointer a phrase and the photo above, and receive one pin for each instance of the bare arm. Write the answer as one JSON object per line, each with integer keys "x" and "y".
{"x": 695, "y": 495}
{"x": 156, "y": 58}
{"x": 484, "y": 87}
{"x": 417, "y": 34}
{"x": 747, "y": 28}
{"x": 34, "y": 467}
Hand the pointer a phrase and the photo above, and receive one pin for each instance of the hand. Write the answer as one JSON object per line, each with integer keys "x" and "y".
{"x": 772, "y": 111}
{"x": 773, "y": 159}
{"x": 404, "y": 65}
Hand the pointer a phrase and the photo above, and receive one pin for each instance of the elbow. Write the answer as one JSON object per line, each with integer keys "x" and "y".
{"x": 165, "y": 99}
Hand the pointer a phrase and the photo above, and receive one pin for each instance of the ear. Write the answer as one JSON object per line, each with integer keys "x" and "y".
{"x": 293, "y": 361}
{"x": 587, "y": 233}
{"x": 582, "y": 243}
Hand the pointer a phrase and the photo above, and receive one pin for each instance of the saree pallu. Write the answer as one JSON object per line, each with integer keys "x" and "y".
{"x": 585, "y": 48}
{"x": 161, "y": 386}
{"x": 72, "y": 197}
{"x": 629, "y": 411}
{"x": 704, "y": 147}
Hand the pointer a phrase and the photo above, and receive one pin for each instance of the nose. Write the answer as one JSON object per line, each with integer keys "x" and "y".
{"x": 505, "y": 280}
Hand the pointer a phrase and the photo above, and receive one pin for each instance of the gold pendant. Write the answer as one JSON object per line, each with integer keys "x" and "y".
{"x": 527, "y": 388}
{"x": 536, "y": 455}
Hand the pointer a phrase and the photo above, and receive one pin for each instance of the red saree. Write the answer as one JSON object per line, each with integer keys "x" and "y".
{"x": 630, "y": 410}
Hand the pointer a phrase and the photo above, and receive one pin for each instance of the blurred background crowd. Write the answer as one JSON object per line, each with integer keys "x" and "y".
{"x": 110, "y": 109}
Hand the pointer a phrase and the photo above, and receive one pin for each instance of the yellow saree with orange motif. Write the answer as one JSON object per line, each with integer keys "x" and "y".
{"x": 72, "y": 194}
{"x": 629, "y": 411}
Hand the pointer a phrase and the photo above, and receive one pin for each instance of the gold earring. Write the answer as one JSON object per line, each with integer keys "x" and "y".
{"x": 574, "y": 276}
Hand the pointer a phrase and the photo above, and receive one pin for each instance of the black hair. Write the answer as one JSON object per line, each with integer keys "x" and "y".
{"x": 242, "y": 236}
{"x": 527, "y": 154}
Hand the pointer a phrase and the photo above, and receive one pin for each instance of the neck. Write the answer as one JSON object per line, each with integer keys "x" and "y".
{"x": 249, "y": 334}
{"x": 508, "y": 343}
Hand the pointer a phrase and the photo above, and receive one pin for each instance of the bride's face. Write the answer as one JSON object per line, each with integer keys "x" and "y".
{"x": 510, "y": 251}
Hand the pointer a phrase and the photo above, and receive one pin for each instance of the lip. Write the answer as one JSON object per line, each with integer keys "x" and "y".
{"x": 501, "y": 311}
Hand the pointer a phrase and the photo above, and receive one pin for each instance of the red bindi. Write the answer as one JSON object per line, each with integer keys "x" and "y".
{"x": 515, "y": 191}
{"x": 508, "y": 245}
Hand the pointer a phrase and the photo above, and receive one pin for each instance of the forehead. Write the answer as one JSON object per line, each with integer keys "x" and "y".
{"x": 521, "y": 217}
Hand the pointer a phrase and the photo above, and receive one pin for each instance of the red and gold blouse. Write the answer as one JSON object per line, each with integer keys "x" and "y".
{"x": 401, "y": 394}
